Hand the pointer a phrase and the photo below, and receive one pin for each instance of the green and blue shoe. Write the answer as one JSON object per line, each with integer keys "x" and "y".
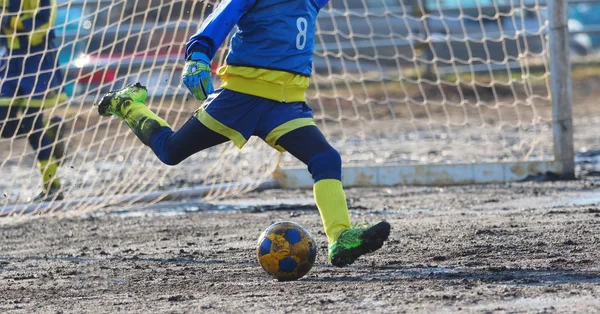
{"x": 355, "y": 242}
{"x": 128, "y": 105}
{"x": 113, "y": 103}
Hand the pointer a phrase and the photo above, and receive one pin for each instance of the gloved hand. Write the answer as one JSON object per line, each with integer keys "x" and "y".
{"x": 197, "y": 76}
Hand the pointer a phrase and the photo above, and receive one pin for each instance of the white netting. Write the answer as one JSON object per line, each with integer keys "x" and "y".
{"x": 434, "y": 81}
{"x": 395, "y": 81}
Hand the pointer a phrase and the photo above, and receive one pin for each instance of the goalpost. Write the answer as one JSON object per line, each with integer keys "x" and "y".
{"x": 426, "y": 92}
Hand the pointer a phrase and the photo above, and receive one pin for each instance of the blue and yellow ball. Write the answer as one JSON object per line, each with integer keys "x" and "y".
{"x": 286, "y": 251}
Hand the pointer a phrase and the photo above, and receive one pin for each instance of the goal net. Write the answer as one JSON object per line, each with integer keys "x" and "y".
{"x": 395, "y": 83}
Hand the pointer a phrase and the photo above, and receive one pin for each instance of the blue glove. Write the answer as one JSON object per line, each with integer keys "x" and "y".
{"x": 197, "y": 76}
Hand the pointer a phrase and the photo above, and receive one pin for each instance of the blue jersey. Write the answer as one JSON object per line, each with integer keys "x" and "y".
{"x": 272, "y": 34}
{"x": 27, "y": 25}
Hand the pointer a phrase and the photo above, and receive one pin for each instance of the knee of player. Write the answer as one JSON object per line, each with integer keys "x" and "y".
{"x": 159, "y": 143}
{"x": 161, "y": 151}
{"x": 167, "y": 160}
{"x": 326, "y": 165}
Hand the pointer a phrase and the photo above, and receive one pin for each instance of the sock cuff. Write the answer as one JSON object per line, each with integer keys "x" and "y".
{"x": 325, "y": 184}
{"x": 45, "y": 162}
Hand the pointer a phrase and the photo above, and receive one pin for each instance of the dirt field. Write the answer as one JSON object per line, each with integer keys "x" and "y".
{"x": 522, "y": 247}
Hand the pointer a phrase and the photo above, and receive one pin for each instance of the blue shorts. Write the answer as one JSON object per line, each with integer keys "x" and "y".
{"x": 238, "y": 116}
{"x": 34, "y": 76}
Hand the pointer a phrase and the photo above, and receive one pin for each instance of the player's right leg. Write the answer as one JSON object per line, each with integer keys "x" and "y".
{"x": 127, "y": 104}
{"x": 346, "y": 243}
{"x": 32, "y": 123}
{"x": 170, "y": 147}
{"x": 9, "y": 122}
{"x": 38, "y": 84}
{"x": 55, "y": 129}
{"x": 48, "y": 81}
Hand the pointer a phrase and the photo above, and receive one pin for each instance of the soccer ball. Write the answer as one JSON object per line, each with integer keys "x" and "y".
{"x": 286, "y": 251}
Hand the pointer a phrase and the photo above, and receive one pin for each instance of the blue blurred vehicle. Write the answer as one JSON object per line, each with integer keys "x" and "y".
{"x": 449, "y": 34}
{"x": 72, "y": 28}
{"x": 582, "y": 16}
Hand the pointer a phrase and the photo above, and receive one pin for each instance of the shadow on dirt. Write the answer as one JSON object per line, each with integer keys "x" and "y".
{"x": 182, "y": 208}
{"x": 175, "y": 261}
{"x": 355, "y": 273}
{"x": 519, "y": 277}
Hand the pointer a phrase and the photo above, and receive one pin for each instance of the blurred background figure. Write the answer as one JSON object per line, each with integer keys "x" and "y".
{"x": 31, "y": 82}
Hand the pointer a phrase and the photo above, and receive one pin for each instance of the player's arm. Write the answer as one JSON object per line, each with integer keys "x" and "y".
{"x": 30, "y": 20}
{"x": 322, "y": 3}
{"x": 217, "y": 26}
{"x": 203, "y": 45}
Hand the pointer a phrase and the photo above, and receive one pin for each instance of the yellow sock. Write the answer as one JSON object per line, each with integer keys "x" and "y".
{"x": 48, "y": 169}
{"x": 142, "y": 121}
{"x": 331, "y": 201}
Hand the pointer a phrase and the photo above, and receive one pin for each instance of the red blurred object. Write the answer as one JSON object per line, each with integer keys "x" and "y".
{"x": 98, "y": 77}
{"x": 104, "y": 68}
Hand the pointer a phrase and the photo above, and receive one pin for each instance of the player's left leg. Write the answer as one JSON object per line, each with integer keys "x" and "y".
{"x": 290, "y": 126}
{"x": 324, "y": 163}
{"x": 346, "y": 243}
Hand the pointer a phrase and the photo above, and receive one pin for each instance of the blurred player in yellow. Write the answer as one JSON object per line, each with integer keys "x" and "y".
{"x": 265, "y": 79}
{"x": 31, "y": 81}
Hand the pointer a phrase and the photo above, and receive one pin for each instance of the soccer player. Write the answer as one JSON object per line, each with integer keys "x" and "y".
{"x": 30, "y": 81}
{"x": 264, "y": 81}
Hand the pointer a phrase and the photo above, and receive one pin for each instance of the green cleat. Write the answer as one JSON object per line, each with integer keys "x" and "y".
{"x": 355, "y": 242}
{"x": 128, "y": 105}
{"x": 113, "y": 103}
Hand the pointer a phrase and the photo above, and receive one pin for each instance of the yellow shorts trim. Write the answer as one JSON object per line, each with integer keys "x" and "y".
{"x": 5, "y": 101}
{"x": 285, "y": 128}
{"x": 236, "y": 137}
{"x": 48, "y": 102}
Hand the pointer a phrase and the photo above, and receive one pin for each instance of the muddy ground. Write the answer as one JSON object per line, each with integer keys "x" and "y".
{"x": 521, "y": 247}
